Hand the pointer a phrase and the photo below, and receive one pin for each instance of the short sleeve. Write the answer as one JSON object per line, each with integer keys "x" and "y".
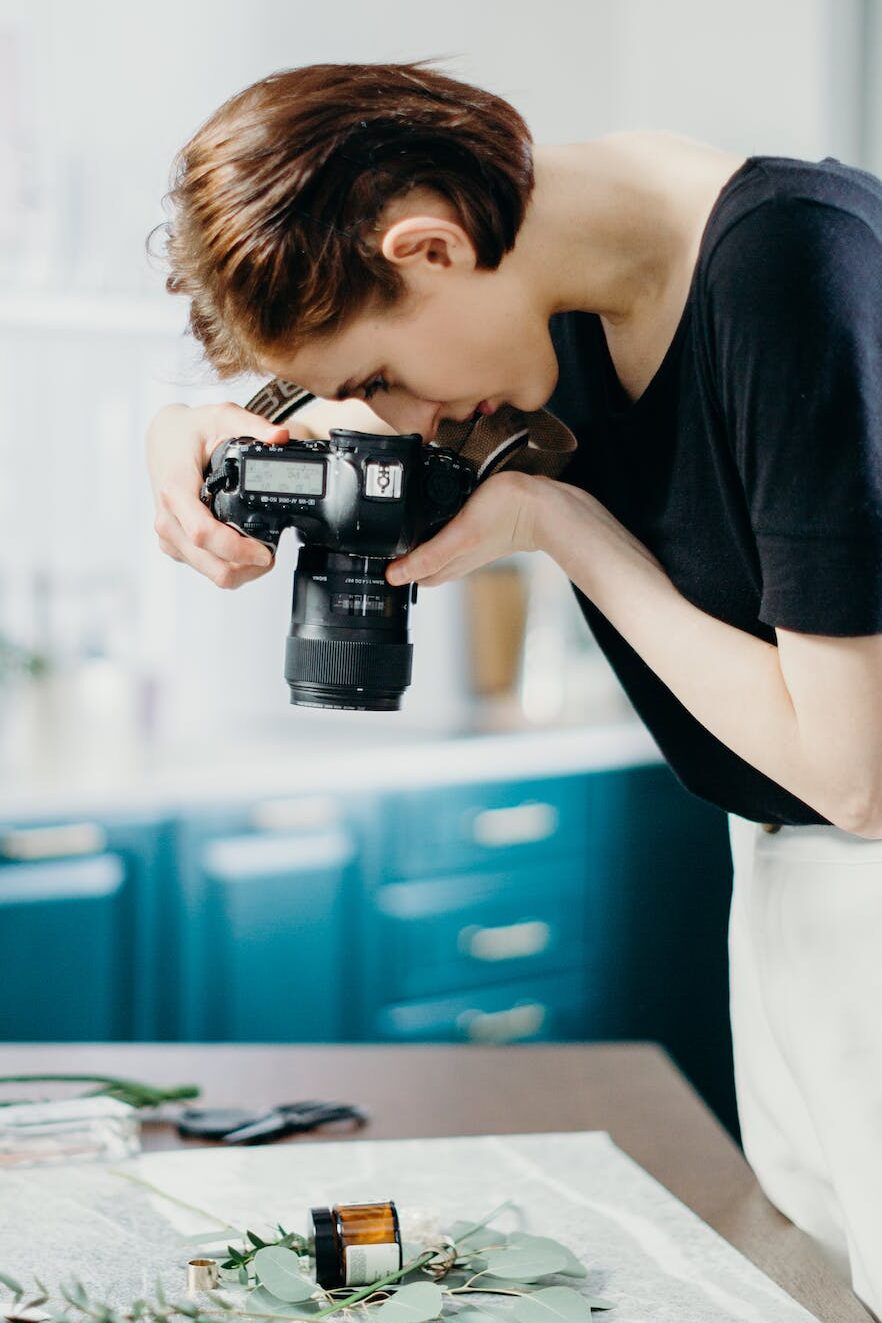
{"x": 794, "y": 295}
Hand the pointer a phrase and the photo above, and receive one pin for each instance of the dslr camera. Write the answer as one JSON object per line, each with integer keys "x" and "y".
{"x": 357, "y": 500}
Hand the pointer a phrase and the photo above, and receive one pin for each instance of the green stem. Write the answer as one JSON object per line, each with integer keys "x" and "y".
{"x": 163, "y": 1194}
{"x": 382, "y": 1281}
{"x": 485, "y": 1290}
{"x": 130, "y": 1091}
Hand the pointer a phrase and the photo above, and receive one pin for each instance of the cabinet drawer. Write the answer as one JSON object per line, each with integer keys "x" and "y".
{"x": 480, "y": 825}
{"x": 531, "y": 1010}
{"x": 446, "y": 933}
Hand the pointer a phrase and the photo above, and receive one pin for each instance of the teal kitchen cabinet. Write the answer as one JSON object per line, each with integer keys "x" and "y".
{"x": 476, "y": 917}
{"x": 265, "y": 921}
{"x": 79, "y": 956}
{"x": 663, "y": 855}
{"x": 586, "y": 906}
{"x": 589, "y": 907}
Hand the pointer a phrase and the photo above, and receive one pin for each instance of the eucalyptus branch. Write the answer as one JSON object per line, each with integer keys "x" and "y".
{"x": 412, "y": 1266}
{"x": 128, "y": 1091}
{"x": 277, "y": 1273}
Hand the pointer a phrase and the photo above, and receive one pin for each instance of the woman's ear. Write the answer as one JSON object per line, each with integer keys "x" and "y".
{"x": 428, "y": 241}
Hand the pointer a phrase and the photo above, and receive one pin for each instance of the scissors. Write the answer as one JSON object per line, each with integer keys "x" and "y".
{"x": 233, "y": 1125}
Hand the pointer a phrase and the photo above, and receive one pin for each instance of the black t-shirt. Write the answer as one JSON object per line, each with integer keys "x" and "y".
{"x": 751, "y": 466}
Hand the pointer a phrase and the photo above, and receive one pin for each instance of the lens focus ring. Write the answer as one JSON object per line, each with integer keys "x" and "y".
{"x": 346, "y": 663}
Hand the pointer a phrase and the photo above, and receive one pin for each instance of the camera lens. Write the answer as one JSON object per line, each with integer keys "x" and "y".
{"x": 347, "y": 646}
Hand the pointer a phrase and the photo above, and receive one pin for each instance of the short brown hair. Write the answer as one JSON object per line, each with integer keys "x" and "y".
{"x": 274, "y": 199}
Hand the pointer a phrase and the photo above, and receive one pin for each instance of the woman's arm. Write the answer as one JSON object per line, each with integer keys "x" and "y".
{"x": 808, "y": 714}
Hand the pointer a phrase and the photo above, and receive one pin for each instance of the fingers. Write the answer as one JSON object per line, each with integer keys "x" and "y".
{"x": 233, "y": 420}
{"x": 183, "y": 520}
{"x": 454, "y": 543}
{"x": 179, "y": 442}
{"x": 224, "y": 572}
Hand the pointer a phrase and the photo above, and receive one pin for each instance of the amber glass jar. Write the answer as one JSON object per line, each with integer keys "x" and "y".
{"x": 355, "y": 1244}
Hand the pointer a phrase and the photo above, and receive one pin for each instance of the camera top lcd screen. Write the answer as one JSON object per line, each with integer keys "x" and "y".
{"x": 294, "y": 477}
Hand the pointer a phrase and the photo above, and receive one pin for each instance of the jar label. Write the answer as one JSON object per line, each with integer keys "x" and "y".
{"x": 368, "y": 1263}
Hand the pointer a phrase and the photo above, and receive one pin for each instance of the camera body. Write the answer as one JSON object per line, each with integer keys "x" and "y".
{"x": 358, "y": 500}
{"x": 358, "y": 493}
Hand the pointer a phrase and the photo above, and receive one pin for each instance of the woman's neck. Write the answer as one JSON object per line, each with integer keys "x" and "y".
{"x": 614, "y": 224}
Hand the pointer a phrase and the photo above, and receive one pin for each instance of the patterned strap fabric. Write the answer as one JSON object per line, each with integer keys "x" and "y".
{"x": 534, "y": 442}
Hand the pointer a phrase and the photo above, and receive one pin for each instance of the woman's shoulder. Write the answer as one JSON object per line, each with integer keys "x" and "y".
{"x": 775, "y": 205}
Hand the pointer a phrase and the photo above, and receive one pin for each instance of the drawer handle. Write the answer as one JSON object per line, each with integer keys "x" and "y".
{"x": 513, "y": 941}
{"x": 503, "y": 1026}
{"x": 31, "y": 843}
{"x": 310, "y": 813}
{"x": 515, "y": 826}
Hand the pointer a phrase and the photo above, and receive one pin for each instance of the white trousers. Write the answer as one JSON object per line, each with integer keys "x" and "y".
{"x": 805, "y": 950}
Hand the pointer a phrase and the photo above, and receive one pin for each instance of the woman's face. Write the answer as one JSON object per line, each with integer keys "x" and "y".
{"x": 459, "y": 340}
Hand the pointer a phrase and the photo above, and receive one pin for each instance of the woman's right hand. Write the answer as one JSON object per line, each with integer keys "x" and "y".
{"x": 180, "y": 442}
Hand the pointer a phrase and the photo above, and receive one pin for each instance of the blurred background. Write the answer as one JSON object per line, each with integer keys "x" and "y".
{"x": 190, "y": 856}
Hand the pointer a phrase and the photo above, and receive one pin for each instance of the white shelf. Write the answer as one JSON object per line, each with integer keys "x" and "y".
{"x": 100, "y": 314}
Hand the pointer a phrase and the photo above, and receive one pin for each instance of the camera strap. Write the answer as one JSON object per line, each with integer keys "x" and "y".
{"x": 277, "y": 400}
{"x": 535, "y": 442}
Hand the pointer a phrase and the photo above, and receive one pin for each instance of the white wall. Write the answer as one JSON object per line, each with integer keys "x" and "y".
{"x": 95, "y": 97}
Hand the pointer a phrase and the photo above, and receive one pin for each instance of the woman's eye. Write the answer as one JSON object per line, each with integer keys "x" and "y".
{"x": 371, "y": 387}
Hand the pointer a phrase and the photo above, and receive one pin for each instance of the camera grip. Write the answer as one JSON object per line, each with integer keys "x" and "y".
{"x": 220, "y": 492}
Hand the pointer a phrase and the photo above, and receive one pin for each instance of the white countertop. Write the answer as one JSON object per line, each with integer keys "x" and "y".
{"x": 322, "y": 759}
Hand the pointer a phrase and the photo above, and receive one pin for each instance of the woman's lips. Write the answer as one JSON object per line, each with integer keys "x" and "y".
{"x": 486, "y": 407}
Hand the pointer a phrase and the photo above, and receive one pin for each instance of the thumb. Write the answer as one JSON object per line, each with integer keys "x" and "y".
{"x": 272, "y": 434}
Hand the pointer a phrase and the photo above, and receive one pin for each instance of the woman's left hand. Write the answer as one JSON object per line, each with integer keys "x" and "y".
{"x": 498, "y": 519}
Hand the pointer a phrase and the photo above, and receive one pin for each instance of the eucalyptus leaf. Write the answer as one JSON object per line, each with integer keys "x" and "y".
{"x": 14, "y": 1286}
{"x": 478, "y": 1239}
{"x": 278, "y": 1269}
{"x": 262, "y": 1301}
{"x": 574, "y": 1266}
{"x": 472, "y": 1315}
{"x": 497, "y": 1284}
{"x": 553, "y": 1304}
{"x": 456, "y": 1277}
{"x": 78, "y": 1293}
{"x": 525, "y": 1264}
{"x": 412, "y": 1304}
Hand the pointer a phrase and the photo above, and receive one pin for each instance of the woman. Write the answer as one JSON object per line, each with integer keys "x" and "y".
{"x": 710, "y": 328}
